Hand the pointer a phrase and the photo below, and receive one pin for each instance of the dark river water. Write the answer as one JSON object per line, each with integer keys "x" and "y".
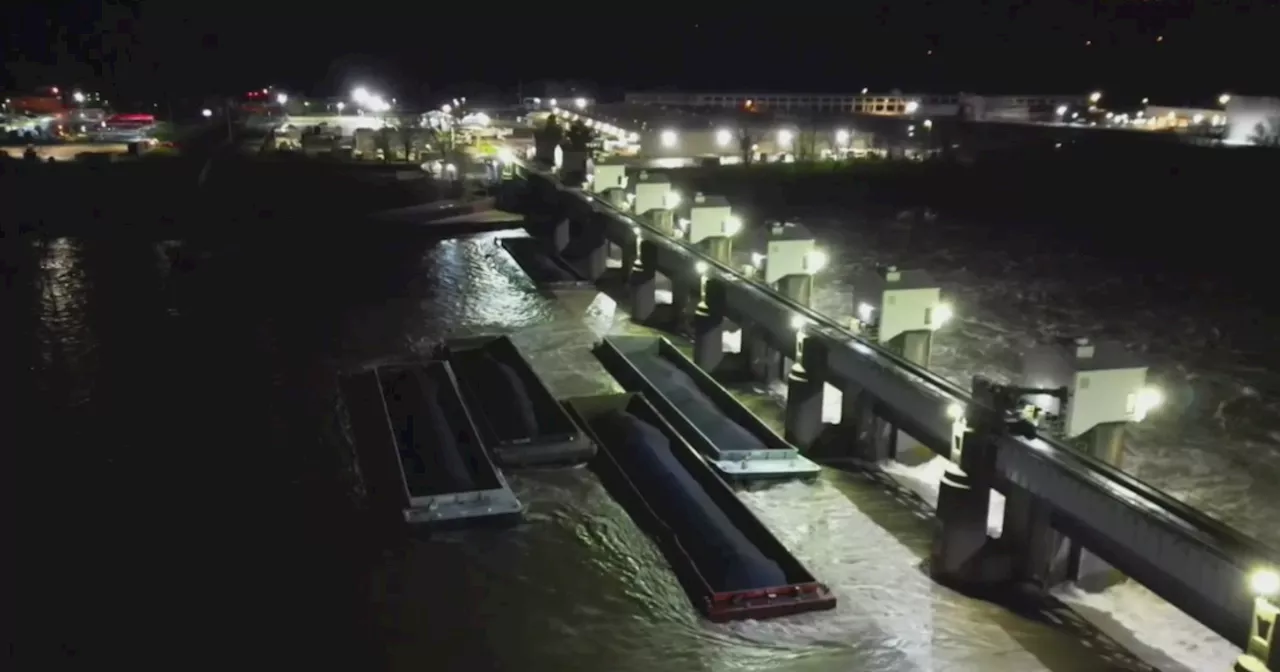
{"x": 186, "y": 493}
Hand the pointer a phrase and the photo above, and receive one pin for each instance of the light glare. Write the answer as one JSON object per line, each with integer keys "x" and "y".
{"x": 1264, "y": 583}
{"x": 865, "y": 311}
{"x": 1149, "y": 399}
{"x": 816, "y": 260}
{"x": 942, "y": 314}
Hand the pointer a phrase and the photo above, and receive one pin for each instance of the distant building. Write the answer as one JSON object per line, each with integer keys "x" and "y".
{"x": 896, "y": 103}
{"x": 1183, "y": 119}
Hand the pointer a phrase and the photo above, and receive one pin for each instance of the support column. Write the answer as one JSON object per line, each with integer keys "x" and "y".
{"x": 617, "y": 198}
{"x": 798, "y": 288}
{"x": 762, "y": 360}
{"x": 1038, "y": 554}
{"x": 720, "y": 248}
{"x": 1090, "y": 392}
{"x": 789, "y": 252}
{"x": 915, "y": 347}
{"x": 900, "y": 309}
{"x": 597, "y": 261}
{"x": 559, "y": 234}
{"x": 960, "y": 554}
{"x": 858, "y": 424}
{"x": 961, "y": 536}
{"x": 806, "y": 383}
{"x": 1262, "y": 651}
{"x": 708, "y": 329}
{"x": 1105, "y": 441}
{"x": 663, "y": 220}
{"x": 643, "y": 282}
{"x": 682, "y": 301}
{"x": 630, "y": 252}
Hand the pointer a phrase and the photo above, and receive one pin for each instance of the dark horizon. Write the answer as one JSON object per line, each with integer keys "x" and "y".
{"x": 1170, "y": 51}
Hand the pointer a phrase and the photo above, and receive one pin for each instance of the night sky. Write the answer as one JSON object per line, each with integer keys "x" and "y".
{"x": 1174, "y": 51}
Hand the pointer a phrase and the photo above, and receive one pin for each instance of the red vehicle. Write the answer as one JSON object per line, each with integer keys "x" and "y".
{"x": 131, "y": 120}
{"x": 38, "y": 105}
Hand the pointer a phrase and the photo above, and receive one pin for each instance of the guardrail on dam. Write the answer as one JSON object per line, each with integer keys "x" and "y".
{"x": 1060, "y": 499}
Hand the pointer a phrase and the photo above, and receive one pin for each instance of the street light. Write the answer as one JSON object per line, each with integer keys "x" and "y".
{"x": 928, "y": 124}
{"x": 842, "y": 137}
{"x": 1095, "y": 97}
{"x": 206, "y": 113}
{"x": 1265, "y": 583}
{"x": 815, "y": 260}
{"x": 1147, "y": 400}
{"x": 1224, "y": 99}
{"x": 912, "y": 106}
{"x": 723, "y": 137}
{"x": 940, "y": 315}
{"x": 580, "y": 103}
{"x": 1258, "y": 651}
{"x": 78, "y": 97}
{"x": 282, "y": 98}
{"x": 1061, "y": 111}
{"x": 340, "y": 106}
{"x": 669, "y": 139}
{"x": 784, "y": 138}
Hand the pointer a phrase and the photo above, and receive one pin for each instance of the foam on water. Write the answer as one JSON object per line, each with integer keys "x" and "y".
{"x": 886, "y": 601}
{"x": 1155, "y": 622}
{"x": 924, "y": 478}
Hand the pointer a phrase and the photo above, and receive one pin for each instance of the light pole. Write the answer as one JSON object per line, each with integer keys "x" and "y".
{"x": 1260, "y": 652}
